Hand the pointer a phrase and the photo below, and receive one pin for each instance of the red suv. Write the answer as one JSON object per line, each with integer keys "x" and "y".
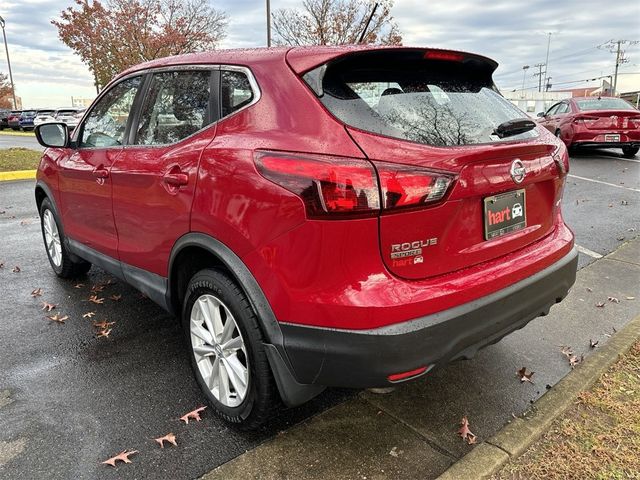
{"x": 350, "y": 216}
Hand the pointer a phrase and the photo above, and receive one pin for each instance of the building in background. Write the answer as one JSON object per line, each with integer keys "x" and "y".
{"x": 81, "y": 102}
{"x": 632, "y": 97}
{"x": 533, "y": 102}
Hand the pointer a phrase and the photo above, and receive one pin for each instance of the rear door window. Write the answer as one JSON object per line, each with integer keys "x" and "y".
{"x": 177, "y": 105}
{"x": 404, "y": 95}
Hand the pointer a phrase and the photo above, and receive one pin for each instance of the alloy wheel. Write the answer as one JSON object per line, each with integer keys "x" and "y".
{"x": 52, "y": 238}
{"x": 219, "y": 350}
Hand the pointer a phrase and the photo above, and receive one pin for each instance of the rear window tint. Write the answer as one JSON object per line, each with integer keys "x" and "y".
{"x": 404, "y": 95}
{"x": 604, "y": 103}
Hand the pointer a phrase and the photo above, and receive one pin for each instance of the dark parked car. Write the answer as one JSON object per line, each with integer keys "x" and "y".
{"x": 26, "y": 119}
{"x": 592, "y": 122}
{"x": 4, "y": 118}
{"x": 14, "y": 119}
{"x": 351, "y": 216}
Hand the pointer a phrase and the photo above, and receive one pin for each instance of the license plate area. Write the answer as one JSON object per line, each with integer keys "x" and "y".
{"x": 611, "y": 137}
{"x": 504, "y": 213}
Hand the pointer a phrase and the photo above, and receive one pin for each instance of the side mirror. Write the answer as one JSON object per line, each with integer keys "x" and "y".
{"x": 54, "y": 135}
{"x": 541, "y": 114}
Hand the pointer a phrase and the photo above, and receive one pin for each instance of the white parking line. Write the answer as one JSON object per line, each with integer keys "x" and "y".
{"x": 586, "y": 251}
{"x": 605, "y": 183}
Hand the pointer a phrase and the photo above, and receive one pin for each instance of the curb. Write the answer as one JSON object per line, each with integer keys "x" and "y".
{"x": 516, "y": 437}
{"x": 17, "y": 175}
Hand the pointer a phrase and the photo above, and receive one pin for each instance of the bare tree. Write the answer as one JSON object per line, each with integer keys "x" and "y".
{"x": 335, "y": 22}
{"x": 6, "y": 99}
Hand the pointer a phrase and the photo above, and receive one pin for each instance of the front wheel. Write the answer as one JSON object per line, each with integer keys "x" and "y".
{"x": 227, "y": 353}
{"x": 62, "y": 262}
{"x": 630, "y": 151}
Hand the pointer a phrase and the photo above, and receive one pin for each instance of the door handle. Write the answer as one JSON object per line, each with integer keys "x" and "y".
{"x": 175, "y": 179}
{"x": 101, "y": 172}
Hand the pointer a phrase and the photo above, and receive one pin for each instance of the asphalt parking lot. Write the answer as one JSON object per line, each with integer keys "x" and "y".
{"x": 21, "y": 141}
{"x": 69, "y": 400}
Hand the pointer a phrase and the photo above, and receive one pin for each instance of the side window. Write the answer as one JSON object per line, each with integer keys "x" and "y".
{"x": 563, "y": 108}
{"x": 176, "y": 106}
{"x": 235, "y": 91}
{"x": 106, "y": 124}
{"x": 553, "y": 110}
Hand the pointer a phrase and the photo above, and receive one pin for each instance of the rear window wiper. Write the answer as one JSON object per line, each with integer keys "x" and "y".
{"x": 514, "y": 127}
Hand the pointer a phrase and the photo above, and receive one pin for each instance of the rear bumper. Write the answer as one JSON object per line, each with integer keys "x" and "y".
{"x": 589, "y": 144}
{"x": 365, "y": 358}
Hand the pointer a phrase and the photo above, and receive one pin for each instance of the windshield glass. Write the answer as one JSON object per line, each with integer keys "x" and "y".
{"x": 401, "y": 95}
{"x": 604, "y": 103}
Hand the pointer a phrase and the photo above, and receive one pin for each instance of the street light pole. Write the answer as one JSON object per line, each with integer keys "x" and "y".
{"x": 524, "y": 74}
{"x": 6, "y": 48}
{"x": 268, "y": 23}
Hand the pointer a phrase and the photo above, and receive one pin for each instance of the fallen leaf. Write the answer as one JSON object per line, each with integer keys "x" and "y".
{"x": 624, "y": 202}
{"x": 1, "y": 264}
{"x": 613, "y": 299}
{"x": 96, "y": 300}
{"x": 36, "y": 293}
{"x": 122, "y": 456}
{"x": 566, "y": 351}
{"x": 48, "y": 306}
{"x": 97, "y": 288}
{"x": 169, "y": 437}
{"x": 620, "y": 239}
{"x": 88, "y": 315}
{"x": 589, "y": 289}
{"x": 524, "y": 376}
{"x": 574, "y": 360}
{"x": 630, "y": 298}
{"x": 600, "y": 304}
{"x": 394, "y": 452}
{"x": 593, "y": 343}
{"x": 194, "y": 414}
{"x": 16, "y": 269}
{"x": 25, "y": 222}
{"x": 115, "y": 298}
{"x": 58, "y": 318}
{"x": 78, "y": 285}
{"x": 465, "y": 432}
{"x": 103, "y": 333}
{"x": 103, "y": 325}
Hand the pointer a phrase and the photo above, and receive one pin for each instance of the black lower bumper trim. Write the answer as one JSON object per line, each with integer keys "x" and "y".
{"x": 361, "y": 359}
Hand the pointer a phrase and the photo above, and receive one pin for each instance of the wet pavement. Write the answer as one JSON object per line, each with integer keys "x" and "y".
{"x": 69, "y": 400}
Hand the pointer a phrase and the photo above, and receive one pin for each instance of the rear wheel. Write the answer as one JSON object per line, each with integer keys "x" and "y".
{"x": 227, "y": 353}
{"x": 630, "y": 151}
{"x": 59, "y": 257}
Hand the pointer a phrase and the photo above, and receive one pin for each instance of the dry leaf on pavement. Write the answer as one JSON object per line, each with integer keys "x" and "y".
{"x": 122, "y": 456}
{"x": 115, "y": 298}
{"x": 524, "y": 376}
{"x": 48, "y": 306}
{"x": 96, "y": 300}
{"x": 103, "y": 333}
{"x": 465, "y": 432}
{"x": 194, "y": 415}
{"x": 103, "y": 325}
{"x": 78, "y": 285}
{"x": 169, "y": 437}
{"x": 593, "y": 343}
{"x": 88, "y": 315}
{"x": 36, "y": 293}
{"x": 16, "y": 269}
{"x": 58, "y": 318}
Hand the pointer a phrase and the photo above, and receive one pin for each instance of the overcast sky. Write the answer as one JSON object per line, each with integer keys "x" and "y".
{"x": 512, "y": 32}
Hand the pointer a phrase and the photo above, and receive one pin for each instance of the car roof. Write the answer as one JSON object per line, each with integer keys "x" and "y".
{"x": 301, "y": 59}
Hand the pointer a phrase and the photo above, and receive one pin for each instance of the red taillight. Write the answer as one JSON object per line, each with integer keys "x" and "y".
{"x": 443, "y": 55}
{"x": 330, "y": 187}
{"x": 409, "y": 187}
{"x": 634, "y": 122}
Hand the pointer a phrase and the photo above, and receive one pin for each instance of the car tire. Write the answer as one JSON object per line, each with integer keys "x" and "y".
{"x": 237, "y": 382}
{"x": 630, "y": 152}
{"x": 62, "y": 262}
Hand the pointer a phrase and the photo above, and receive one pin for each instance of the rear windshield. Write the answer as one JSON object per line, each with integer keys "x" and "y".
{"x": 404, "y": 95}
{"x": 604, "y": 103}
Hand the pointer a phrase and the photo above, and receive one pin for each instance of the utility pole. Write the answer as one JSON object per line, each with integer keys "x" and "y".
{"x": 6, "y": 48}
{"x": 539, "y": 75}
{"x": 524, "y": 74}
{"x": 615, "y": 46}
{"x": 546, "y": 62}
{"x": 268, "y": 23}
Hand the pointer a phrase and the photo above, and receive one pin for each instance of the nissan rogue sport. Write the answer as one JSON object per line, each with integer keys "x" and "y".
{"x": 316, "y": 217}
